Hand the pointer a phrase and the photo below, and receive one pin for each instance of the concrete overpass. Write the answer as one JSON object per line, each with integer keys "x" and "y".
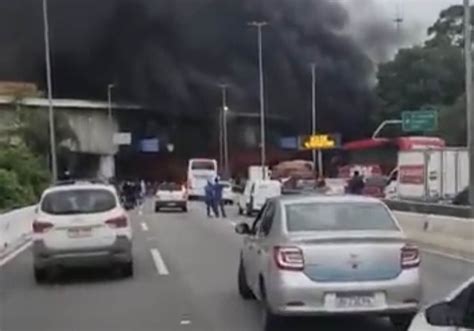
{"x": 88, "y": 119}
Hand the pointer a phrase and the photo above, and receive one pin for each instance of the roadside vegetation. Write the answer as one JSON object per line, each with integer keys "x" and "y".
{"x": 429, "y": 76}
{"x": 24, "y": 157}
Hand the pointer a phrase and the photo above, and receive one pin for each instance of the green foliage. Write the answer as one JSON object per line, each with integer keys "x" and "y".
{"x": 449, "y": 28}
{"x": 420, "y": 76}
{"x": 432, "y": 74}
{"x": 11, "y": 192}
{"x": 33, "y": 129}
{"x": 20, "y": 167}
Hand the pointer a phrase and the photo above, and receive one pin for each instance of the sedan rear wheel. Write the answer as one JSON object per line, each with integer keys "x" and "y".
{"x": 270, "y": 321}
{"x": 244, "y": 289}
{"x": 402, "y": 322}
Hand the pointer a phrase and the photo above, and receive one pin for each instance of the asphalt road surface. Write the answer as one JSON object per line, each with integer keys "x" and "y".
{"x": 185, "y": 279}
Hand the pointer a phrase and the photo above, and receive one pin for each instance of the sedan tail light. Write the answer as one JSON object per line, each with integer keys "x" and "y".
{"x": 288, "y": 258}
{"x": 41, "y": 227}
{"x": 410, "y": 257}
{"x": 117, "y": 222}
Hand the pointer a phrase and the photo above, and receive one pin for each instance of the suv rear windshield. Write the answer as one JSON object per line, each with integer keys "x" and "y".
{"x": 338, "y": 217}
{"x": 78, "y": 202}
{"x": 169, "y": 187}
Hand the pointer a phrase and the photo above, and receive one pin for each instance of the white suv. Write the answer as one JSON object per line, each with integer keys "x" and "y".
{"x": 81, "y": 224}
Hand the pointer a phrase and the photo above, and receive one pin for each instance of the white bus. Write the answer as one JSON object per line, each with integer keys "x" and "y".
{"x": 200, "y": 171}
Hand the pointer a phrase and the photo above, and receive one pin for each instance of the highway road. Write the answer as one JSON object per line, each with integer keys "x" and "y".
{"x": 185, "y": 279}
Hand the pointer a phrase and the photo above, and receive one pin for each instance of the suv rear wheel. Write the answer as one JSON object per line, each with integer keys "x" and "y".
{"x": 40, "y": 275}
{"x": 127, "y": 269}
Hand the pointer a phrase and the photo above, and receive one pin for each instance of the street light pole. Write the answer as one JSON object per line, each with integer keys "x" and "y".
{"x": 225, "y": 109}
{"x": 313, "y": 110}
{"x": 259, "y": 26}
{"x": 109, "y": 100}
{"x": 469, "y": 109}
{"x": 52, "y": 136}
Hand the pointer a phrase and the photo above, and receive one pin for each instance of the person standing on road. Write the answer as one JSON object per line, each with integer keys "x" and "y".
{"x": 356, "y": 184}
{"x": 209, "y": 199}
{"x": 218, "y": 199}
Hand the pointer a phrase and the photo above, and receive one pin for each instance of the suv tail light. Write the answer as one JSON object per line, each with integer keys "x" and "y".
{"x": 410, "y": 257}
{"x": 41, "y": 227}
{"x": 118, "y": 222}
{"x": 288, "y": 258}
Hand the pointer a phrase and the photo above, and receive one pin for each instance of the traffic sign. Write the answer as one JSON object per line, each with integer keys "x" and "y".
{"x": 420, "y": 121}
{"x": 319, "y": 141}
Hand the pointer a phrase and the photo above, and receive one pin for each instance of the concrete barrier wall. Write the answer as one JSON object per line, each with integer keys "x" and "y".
{"x": 15, "y": 229}
{"x": 444, "y": 233}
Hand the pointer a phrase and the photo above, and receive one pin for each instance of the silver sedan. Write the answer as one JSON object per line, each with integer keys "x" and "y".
{"x": 329, "y": 255}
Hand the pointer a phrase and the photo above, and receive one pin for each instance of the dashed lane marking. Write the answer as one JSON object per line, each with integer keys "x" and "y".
{"x": 159, "y": 263}
{"x": 144, "y": 226}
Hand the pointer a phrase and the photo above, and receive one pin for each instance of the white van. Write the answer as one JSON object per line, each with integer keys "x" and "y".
{"x": 200, "y": 171}
{"x": 256, "y": 194}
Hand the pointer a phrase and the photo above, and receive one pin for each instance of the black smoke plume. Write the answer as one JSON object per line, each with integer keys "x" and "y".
{"x": 171, "y": 54}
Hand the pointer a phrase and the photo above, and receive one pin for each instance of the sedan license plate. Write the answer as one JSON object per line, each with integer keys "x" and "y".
{"x": 79, "y": 233}
{"x": 356, "y": 301}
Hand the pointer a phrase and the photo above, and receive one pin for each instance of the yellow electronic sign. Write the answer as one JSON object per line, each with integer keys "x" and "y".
{"x": 319, "y": 141}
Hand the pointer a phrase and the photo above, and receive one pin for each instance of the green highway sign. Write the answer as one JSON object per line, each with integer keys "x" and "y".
{"x": 420, "y": 121}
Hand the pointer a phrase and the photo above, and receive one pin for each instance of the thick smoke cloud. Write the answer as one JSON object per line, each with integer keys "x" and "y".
{"x": 171, "y": 54}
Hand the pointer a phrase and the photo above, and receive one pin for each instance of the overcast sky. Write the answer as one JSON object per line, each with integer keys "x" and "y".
{"x": 422, "y": 12}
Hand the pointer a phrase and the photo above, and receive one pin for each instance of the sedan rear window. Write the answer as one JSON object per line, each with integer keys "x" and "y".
{"x": 78, "y": 202}
{"x": 338, "y": 217}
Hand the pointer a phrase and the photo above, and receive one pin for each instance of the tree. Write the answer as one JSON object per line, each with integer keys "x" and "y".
{"x": 431, "y": 74}
{"x": 11, "y": 192}
{"x": 449, "y": 28}
{"x": 33, "y": 127}
{"x": 21, "y": 167}
{"x": 420, "y": 76}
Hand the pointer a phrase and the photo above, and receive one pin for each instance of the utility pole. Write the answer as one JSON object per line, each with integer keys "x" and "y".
{"x": 259, "y": 26}
{"x": 225, "y": 109}
{"x": 398, "y": 22}
{"x": 469, "y": 110}
{"x": 52, "y": 131}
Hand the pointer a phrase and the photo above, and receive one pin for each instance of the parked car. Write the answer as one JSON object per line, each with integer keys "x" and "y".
{"x": 454, "y": 313}
{"x": 227, "y": 193}
{"x": 313, "y": 255}
{"x": 81, "y": 224}
{"x": 171, "y": 195}
{"x": 256, "y": 193}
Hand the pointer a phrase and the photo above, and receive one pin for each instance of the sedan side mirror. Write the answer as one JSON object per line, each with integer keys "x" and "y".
{"x": 242, "y": 228}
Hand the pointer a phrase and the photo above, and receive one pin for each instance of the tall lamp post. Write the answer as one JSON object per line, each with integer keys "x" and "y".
{"x": 52, "y": 135}
{"x": 259, "y": 26}
{"x": 109, "y": 100}
{"x": 225, "y": 110}
{"x": 469, "y": 110}
{"x": 313, "y": 111}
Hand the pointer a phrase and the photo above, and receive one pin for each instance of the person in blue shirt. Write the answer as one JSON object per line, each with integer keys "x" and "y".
{"x": 209, "y": 198}
{"x": 218, "y": 201}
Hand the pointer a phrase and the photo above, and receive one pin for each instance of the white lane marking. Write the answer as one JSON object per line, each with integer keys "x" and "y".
{"x": 15, "y": 253}
{"x": 447, "y": 255}
{"x": 185, "y": 322}
{"x": 159, "y": 263}
{"x": 144, "y": 226}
